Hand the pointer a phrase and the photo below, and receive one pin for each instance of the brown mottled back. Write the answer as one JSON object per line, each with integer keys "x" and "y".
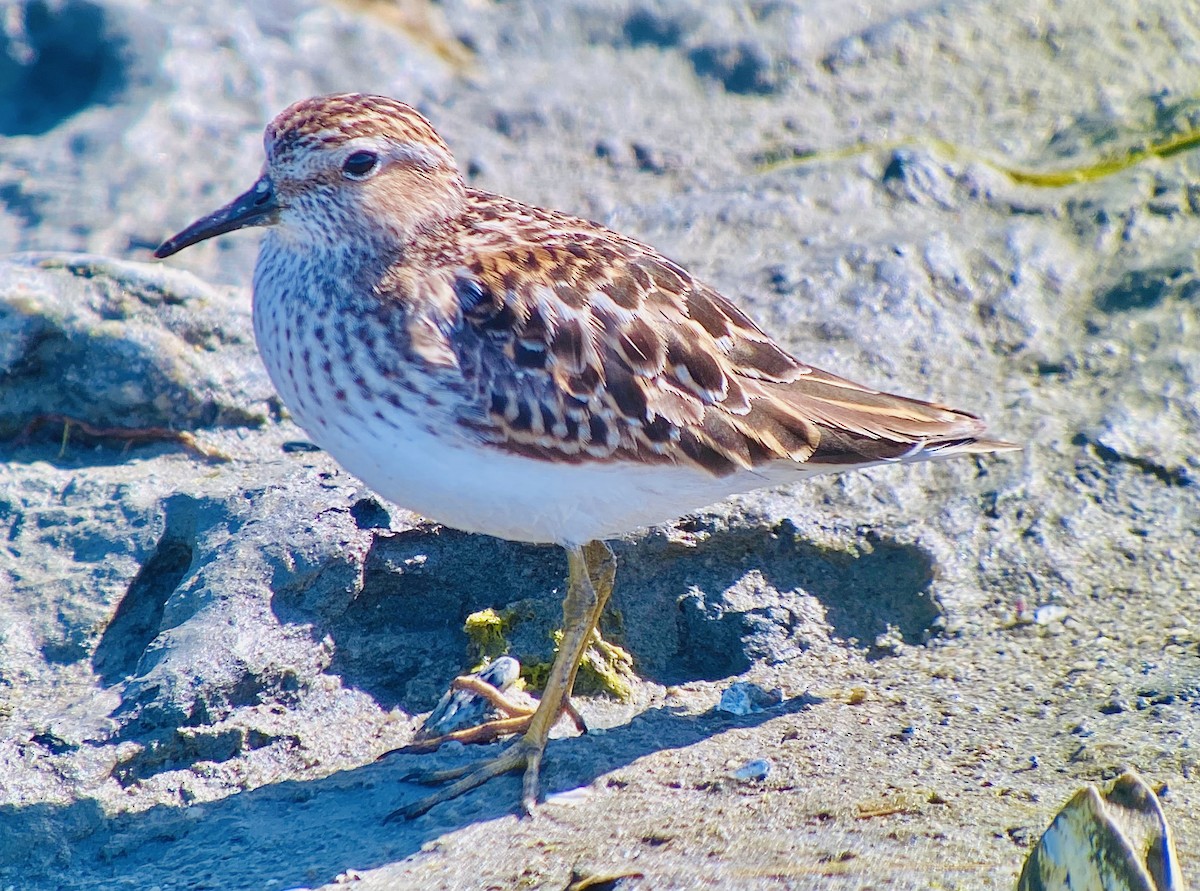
{"x": 581, "y": 344}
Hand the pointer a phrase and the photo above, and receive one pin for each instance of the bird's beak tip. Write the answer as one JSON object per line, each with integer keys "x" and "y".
{"x": 256, "y": 207}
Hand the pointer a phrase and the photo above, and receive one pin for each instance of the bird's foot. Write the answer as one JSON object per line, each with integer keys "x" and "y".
{"x": 477, "y": 699}
{"x": 502, "y": 703}
{"x": 517, "y": 717}
{"x": 524, "y": 753}
{"x": 487, "y": 732}
{"x": 589, "y": 583}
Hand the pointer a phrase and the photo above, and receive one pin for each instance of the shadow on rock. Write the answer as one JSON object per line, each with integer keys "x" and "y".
{"x": 703, "y": 610}
{"x": 400, "y": 638}
{"x": 138, "y": 618}
{"x": 708, "y": 610}
{"x": 384, "y": 611}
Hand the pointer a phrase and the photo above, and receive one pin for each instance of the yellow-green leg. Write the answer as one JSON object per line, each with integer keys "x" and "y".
{"x": 590, "y": 573}
{"x": 517, "y": 720}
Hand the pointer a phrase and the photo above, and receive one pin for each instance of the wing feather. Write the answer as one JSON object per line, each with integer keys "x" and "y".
{"x": 584, "y": 345}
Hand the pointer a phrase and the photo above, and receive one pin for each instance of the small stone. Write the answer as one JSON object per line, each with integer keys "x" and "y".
{"x": 735, "y": 700}
{"x": 648, "y": 158}
{"x": 753, "y": 771}
{"x": 299, "y": 445}
{"x": 742, "y": 698}
{"x": 1049, "y": 613}
{"x": 1115, "y": 705}
{"x": 743, "y": 68}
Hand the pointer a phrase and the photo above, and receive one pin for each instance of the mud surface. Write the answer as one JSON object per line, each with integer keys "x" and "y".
{"x": 209, "y": 633}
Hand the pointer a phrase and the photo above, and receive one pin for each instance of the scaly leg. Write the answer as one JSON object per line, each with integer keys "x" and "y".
{"x": 591, "y": 570}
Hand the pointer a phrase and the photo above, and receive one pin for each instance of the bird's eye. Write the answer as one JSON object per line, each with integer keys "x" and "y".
{"x": 360, "y": 165}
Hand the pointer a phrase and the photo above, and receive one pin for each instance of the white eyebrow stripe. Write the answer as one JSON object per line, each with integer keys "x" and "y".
{"x": 413, "y": 152}
{"x": 423, "y": 154}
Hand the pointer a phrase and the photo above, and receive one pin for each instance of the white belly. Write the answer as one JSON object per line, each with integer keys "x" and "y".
{"x": 478, "y": 489}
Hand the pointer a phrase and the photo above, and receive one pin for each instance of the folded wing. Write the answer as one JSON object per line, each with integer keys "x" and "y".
{"x": 599, "y": 348}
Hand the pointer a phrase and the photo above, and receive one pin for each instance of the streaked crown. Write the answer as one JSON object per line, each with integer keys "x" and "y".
{"x": 330, "y": 121}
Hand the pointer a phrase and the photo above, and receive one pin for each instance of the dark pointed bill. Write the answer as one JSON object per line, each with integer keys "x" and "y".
{"x": 256, "y": 207}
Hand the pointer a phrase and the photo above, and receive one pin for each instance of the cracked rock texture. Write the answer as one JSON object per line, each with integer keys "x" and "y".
{"x": 209, "y": 633}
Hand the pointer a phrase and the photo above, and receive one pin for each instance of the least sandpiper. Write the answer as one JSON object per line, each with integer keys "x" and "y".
{"x": 519, "y": 372}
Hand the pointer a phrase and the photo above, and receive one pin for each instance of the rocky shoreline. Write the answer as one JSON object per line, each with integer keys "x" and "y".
{"x": 208, "y": 632}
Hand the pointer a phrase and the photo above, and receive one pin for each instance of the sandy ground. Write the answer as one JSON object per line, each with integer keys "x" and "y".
{"x": 207, "y": 641}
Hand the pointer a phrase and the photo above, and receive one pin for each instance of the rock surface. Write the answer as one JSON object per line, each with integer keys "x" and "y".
{"x": 208, "y": 633}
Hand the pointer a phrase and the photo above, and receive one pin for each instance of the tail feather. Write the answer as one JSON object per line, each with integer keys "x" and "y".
{"x": 969, "y": 446}
{"x": 856, "y": 425}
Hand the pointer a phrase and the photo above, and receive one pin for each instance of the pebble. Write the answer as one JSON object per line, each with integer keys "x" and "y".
{"x": 742, "y": 698}
{"x": 755, "y": 770}
{"x": 1049, "y": 613}
{"x": 735, "y": 699}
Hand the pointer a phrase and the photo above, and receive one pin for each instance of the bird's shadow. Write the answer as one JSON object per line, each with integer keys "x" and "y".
{"x": 305, "y": 833}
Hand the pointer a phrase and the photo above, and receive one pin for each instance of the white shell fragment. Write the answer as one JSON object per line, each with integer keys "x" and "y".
{"x": 735, "y": 699}
{"x": 742, "y": 698}
{"x": 1116, "y": 841}
{"x": 460, "y": 709}
{"x": 1049, "y": 613}
{"x": 756, "y": 770}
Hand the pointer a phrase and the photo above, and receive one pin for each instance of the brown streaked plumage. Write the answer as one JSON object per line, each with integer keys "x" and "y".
{"x": 587, "y": 331}
{"x": 516, "y": 371}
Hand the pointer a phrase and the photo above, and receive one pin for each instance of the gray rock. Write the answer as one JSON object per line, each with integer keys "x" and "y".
{"x": 116, "y": 345}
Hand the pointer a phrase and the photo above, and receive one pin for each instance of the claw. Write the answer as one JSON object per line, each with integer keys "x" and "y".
{"x": 481, "y": 733}
{"x": 522, "y": 753}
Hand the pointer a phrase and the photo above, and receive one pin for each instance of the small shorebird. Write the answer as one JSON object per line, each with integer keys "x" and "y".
{"x": 510, "y": 370}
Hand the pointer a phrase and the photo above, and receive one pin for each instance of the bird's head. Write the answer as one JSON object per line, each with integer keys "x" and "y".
{"x": 340, "y": 169}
